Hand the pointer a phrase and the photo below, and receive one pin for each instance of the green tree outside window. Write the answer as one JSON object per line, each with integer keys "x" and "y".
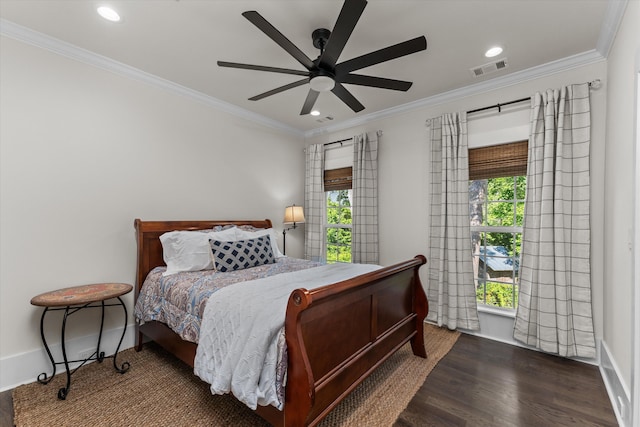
{"x": 496, "y": 213}
{"x": 338, "y": 231}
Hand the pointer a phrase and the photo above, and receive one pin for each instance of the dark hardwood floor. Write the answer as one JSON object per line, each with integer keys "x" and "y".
{"x": 6, "y": 409}
{"x": 487, "y": 383}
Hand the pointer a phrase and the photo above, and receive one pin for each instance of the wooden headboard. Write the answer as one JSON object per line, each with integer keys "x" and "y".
{"x": 150, "y": 249}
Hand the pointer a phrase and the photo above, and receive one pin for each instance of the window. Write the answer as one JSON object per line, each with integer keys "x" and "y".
{"x": 338, "y": 227}
{"x": 496, "y": 210}
{"x": 337, "y": 185}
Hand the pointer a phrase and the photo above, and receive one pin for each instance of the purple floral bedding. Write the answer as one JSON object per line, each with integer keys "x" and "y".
{"x": 178, "y": 300}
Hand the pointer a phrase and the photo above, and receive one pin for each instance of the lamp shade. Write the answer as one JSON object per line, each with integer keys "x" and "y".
{"x": 293, "y": 214}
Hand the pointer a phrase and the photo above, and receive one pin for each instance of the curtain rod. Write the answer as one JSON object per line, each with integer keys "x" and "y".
{"x": 499, "y": 105}
{"x": 340, "y": 141}
{"x": 595, "y": 84}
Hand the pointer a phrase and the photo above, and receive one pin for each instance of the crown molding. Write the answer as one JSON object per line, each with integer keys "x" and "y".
{"x": 610, "y": 24}
{"x": 29, "y": 36}
{"x": 518, "y": 77}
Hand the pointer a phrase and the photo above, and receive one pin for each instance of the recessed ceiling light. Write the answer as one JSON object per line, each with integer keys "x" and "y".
{"x": 494, "y": 51}
{"x": 108, "y": 14}
{"x": 315, "y": 113}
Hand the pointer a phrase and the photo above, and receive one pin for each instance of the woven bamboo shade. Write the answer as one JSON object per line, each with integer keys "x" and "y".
{"x": 498, "y": 160}
{"x": 338, "y": 179}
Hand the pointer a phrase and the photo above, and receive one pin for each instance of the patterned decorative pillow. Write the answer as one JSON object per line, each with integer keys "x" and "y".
{"x": 230, "y": 256}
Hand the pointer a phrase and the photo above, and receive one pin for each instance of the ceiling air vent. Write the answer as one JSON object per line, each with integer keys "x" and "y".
{"x": 489, "y": 68}
{"x": 324, "y": 119}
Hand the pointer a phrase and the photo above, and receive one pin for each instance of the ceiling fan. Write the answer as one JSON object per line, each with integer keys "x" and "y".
{"x": 323, "y": 73}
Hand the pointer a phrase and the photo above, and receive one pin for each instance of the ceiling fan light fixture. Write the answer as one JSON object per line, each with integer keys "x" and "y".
{"x": 322, "y": 83}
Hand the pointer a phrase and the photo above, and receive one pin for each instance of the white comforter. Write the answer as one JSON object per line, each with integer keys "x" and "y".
{"x": 237, "y": 351}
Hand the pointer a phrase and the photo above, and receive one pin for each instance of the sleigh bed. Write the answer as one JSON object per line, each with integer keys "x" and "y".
{"x": 336, "y": 335}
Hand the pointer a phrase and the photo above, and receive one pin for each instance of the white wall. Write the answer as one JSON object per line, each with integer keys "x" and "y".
{"x": 83, "y": 152}
{"x": 618, "y": 201}
{"x": 404, "y": 170}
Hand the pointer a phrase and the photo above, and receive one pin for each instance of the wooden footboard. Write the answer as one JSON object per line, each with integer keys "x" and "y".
{"x": 336, "y": 335}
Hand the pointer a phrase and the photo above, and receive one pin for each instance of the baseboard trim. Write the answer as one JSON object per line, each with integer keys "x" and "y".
{"x": 24, "y": 368}
{"x": 616, "y": 388}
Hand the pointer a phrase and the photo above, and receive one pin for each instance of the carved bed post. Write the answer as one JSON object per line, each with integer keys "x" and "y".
{"x": 422, "y": 309}
{"x": 139, "y": 280}
{"x": 300, "y": 395}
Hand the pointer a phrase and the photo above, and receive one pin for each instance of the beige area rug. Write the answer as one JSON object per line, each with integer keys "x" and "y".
{"x": 159, "y": 390}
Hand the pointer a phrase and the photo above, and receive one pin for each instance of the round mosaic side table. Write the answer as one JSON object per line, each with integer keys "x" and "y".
{"x": 72, "y": 300}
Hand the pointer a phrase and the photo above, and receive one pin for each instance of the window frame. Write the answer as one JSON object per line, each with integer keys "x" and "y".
{"x": 328, "y": 226}
{"x": 486, "y": 163}
{"x": 481, "y": 278}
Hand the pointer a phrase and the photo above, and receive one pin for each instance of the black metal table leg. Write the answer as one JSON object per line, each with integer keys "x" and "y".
{"x": 42, "y": 378}
{"x": 125, "y": 366}
{"x": 72, "y": 300}
{"x": 62, "y": 393}
{"x": 100, "y": 354}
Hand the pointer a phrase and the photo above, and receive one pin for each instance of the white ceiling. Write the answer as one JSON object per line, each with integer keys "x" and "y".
{"x": 181, "y": 40}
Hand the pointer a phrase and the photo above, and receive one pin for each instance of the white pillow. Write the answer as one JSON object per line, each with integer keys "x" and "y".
{"x": 190, "y": 250}
{"x": 243, "y": 234}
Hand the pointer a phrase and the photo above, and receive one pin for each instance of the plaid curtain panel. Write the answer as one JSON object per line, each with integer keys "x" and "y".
{"x": 364, "y": 217}
{"x": 451, "y": 289}
{"x": 314, "y": 201}
{"x": 554, "y": 305}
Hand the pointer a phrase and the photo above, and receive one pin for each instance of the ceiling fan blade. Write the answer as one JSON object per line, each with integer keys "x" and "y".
{"x": 262, "y": 68}
{"x": 346, "y": 97}
{"x": 380, "y": 82}
{"x": 312, "y": 96}
{"x": 382, "y": 55}
{"x": 275, "y": 35}
{"x": 279, "y": 89}
{"x": 346, "y": 22}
